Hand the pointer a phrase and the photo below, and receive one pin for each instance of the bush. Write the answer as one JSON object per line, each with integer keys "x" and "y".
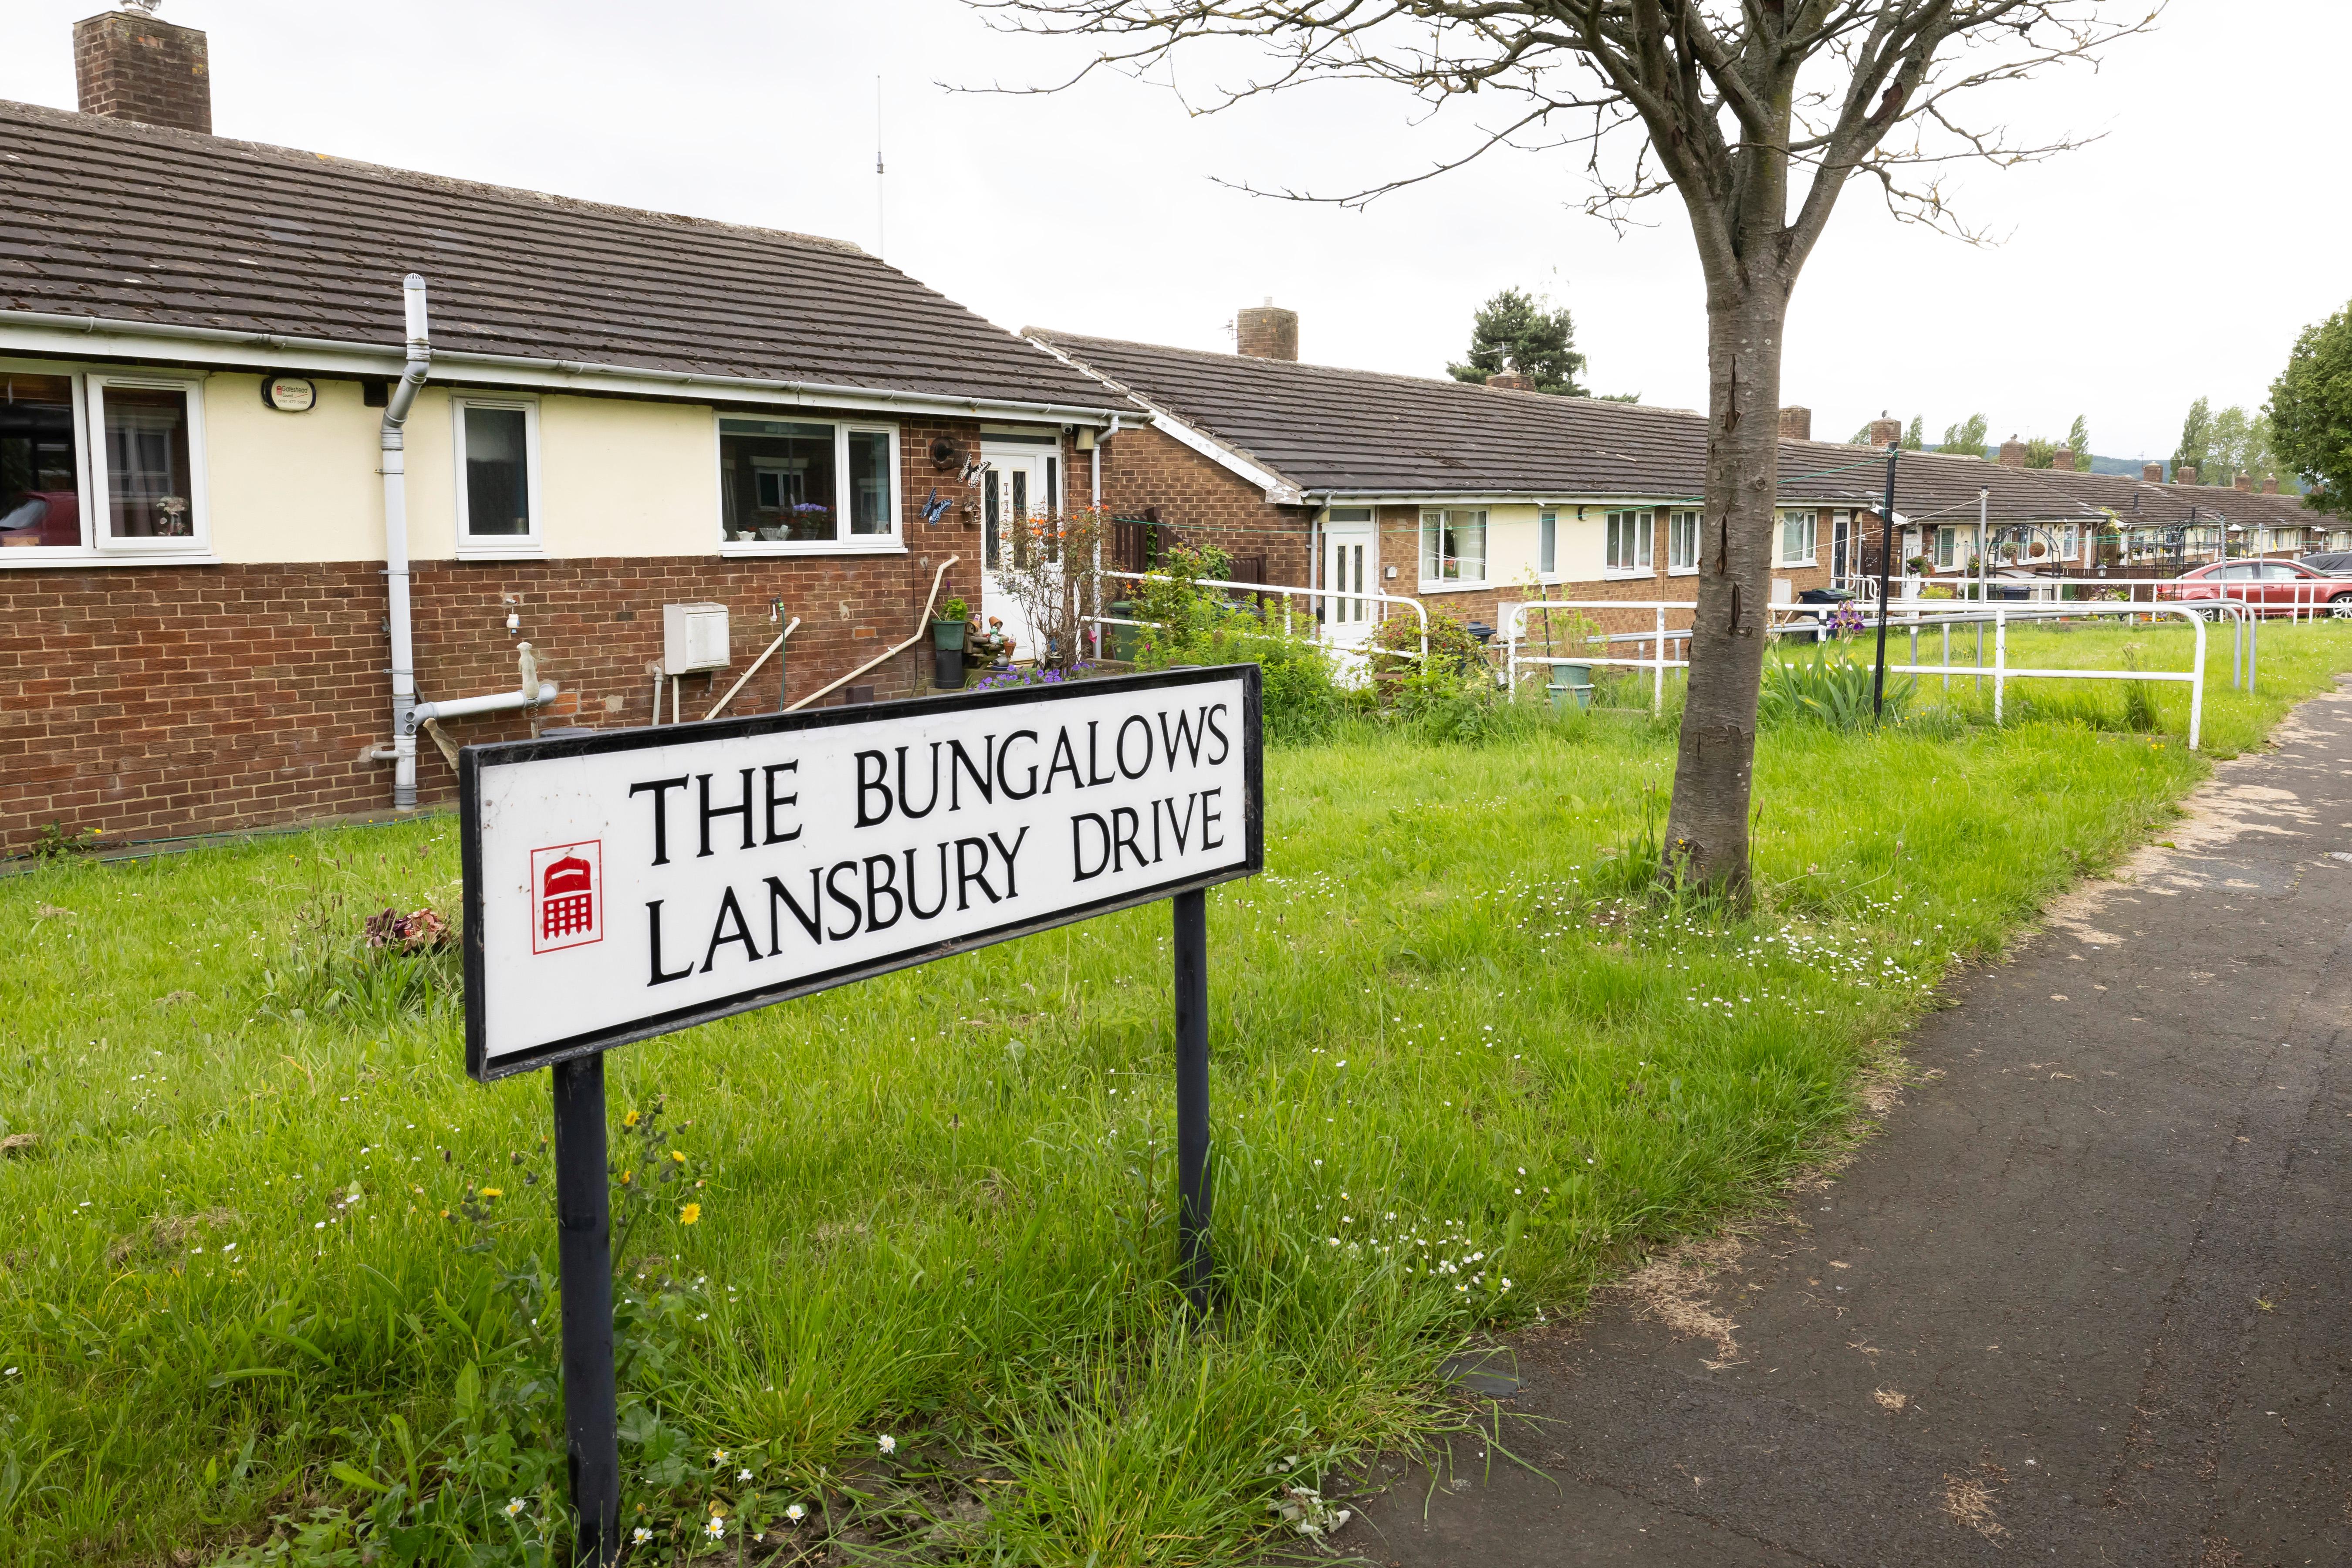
{"x": 1833, "y": 691}
{"x": 1194, "y": 625}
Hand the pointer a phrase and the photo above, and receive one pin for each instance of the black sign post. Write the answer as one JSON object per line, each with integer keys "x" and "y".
{"x": 584, "y": 1264}
{"x": 630, "y": 883}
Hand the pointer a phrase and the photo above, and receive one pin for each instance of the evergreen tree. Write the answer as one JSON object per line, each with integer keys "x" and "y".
{"x": 2078, "y": 441}
{"x": 1965, "y": 439}
{"x": 2310, "y": 412}
{"x": 2195, "y": 446}
{"x": 1915, "y": 439}
{"x": 1514, "y": 331}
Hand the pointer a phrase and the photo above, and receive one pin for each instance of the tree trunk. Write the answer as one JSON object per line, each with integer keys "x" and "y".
{"x": 1707, "y": 827}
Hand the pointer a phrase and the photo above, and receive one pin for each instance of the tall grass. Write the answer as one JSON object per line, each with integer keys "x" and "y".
{"x": 1451, "y": 1050}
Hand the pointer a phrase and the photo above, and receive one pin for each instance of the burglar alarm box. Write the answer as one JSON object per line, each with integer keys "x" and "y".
{"x": 694, "y": 637}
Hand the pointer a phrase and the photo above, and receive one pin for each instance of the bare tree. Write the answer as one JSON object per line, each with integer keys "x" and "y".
{"x": 1732, "y": 104}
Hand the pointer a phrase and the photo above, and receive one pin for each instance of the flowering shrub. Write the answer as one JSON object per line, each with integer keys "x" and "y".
{"x": 1030, "y": 675}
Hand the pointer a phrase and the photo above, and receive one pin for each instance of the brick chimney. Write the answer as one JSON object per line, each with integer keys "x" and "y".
{"x": 2062, "y": 459}
{"x": 1267, "y": 332}
{"x": 1885, "y": 432}
{"x": 2151, "y": 473}
{"x": 2270, "y": 486}
{"x": 2246, "y": 483}
{"x": 129, "y": 66}
{"x": 2185, "y": 475}
{"x": 1512, "y": 380}
{"x": 2012, "y": 453}
{"x": 1796, "y": 424}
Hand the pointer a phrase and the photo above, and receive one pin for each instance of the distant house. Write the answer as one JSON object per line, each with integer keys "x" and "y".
{"x": 1473, "y": 498}
{"x": 624, "y": 411}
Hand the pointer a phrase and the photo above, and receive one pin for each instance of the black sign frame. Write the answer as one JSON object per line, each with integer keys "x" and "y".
{"x": 473, "y": 760}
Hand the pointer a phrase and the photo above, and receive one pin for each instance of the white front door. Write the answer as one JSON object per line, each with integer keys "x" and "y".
{"x": 1351, "y": 566}
{"x": 1020, "y": 483}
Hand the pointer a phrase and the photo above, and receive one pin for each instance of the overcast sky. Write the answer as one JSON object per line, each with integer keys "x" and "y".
{"x": 2177, "y": 257}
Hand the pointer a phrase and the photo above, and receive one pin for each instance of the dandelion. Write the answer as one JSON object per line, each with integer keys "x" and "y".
{"x": 691, "y": 1213}
{"x": 494, "y": 1192}
{"x": 715, "y": 1527}
{"x": 631, "y": 1119}
{"x": 887, "y": 1442}
{"x": 677, "y": 1156}
{"x": 796, "y": 1513}
{"x": 515, "y": 1506}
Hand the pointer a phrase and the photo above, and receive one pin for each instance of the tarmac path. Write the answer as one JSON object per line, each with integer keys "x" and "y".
{"x": 2082, "y": 1299}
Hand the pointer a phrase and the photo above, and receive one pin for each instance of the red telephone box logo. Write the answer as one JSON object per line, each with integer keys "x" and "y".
{"x": 567, "y": 894}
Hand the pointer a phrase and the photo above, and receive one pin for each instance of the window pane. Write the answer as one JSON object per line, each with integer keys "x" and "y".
{"x": 869, "y": 479}
{"x": 1469, "y": 544}
{"x": 1548, "y": 542}
{"x": 1433, "y": 545}
{"x": 498, "y": 474}
{"x": 991, "y": 513}
{"x": 40, "y": 479}
{"x": 782, "y": 478}
{"x": 147, "y": 489}
{"x": 1682, "y": 541}
{"x": 1350, "y": 514}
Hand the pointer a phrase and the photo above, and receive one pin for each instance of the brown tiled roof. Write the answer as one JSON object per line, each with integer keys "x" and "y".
{"x": 1324, "y": 428}
{"x": 109, "y": 218}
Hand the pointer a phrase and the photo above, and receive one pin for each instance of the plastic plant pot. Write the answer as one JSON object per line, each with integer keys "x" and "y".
{"x": 947, "y": 636}
{"x": 1570, "y": 683}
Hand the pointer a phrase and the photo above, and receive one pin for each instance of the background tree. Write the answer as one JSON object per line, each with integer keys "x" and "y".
{"x": 2078, "y": 441}
{"x": 2040, "y": 452}
{"x": 1915, "y": 440}
{"x": 1515, "y": 331}
{"x": 1966, "y": 439}
{"x": 2195, "y": 446}
{"x": 2233, "y": 427}
{"x": 1756, "y": 113}
{"x": 2310, "y": 412}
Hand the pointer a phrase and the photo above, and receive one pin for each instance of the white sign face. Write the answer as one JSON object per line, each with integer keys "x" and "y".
{"x": 290, "y": 393}
{"x": 627, "y": 884}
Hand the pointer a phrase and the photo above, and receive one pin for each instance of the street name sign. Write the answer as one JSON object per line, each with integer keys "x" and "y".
{"x": 629, "y": 883}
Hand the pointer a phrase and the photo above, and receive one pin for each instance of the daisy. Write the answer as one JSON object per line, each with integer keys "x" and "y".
{"x": 888, "y": 1444}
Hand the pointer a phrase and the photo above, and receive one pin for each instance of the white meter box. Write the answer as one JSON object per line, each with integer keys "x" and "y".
{"x": 693, "y": 639}
{"x": 629, "y": 883}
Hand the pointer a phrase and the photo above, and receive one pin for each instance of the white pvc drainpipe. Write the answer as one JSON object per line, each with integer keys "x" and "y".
{"x": 403, "y": 398}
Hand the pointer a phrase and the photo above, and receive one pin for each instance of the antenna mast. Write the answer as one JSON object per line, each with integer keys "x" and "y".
{"x": 881, "y": 230}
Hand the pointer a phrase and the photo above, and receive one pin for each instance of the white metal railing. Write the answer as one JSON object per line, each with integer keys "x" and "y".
{"x": 1922, "y": 613}
{"x": 1357, "y": 595}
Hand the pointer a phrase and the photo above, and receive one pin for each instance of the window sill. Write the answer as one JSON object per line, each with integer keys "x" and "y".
{"x": 1682, "y": 570}
{"x": 1796, "y": 565}
{"x": 22, "y": 557}
{"x": 1642, "y": 575}
{"x": 735, "y": 549}
{"x": 502, "y": 552}
{"x": 1457, "y": 585}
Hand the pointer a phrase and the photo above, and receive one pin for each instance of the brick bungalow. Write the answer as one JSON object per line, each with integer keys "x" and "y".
{"x": 1474, "y": 497}
{"x": 622, "y": 411}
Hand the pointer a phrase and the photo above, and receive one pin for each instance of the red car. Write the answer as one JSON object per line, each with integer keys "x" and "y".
{"x": 2268, "y": 587}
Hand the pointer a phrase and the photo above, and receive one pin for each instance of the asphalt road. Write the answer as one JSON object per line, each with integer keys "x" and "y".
{"x": 2083, "y": 1299}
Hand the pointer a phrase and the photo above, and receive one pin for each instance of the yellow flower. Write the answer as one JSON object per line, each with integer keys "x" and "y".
{"x": 630, "y": 1119}
{"x": 624, "y": 1177}
{"x": 690, "y": 1214}
{"x": 494, "y": 1192}
{"x": 677, "y": 1156}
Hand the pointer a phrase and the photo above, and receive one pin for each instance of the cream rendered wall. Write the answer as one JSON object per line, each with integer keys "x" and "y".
{"x": 627, "y": 478}
{"x": 616, "y": 477}
{"x": 1582, "y": 545}
{"x": 292, "y": 487}
{"x": 1513, "y": 546}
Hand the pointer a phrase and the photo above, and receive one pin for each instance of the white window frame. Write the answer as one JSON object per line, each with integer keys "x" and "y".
{"x": 1947, "y": 545}
{"x": 892, "y": 543}
{"x": 499, "y": 546}
{"x": 1675, "y": 520}
{"x": 1812, "y": 538}
{"x": 1486, "y": 555}
{"x": 97, "y": 509}
{"x": 1644, "y": 534}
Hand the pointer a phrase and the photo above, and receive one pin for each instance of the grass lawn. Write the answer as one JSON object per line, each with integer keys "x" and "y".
{"x": 250, "y": 1270}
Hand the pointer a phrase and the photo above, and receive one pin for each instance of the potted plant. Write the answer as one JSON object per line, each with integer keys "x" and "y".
{"x": 948, "y": 628}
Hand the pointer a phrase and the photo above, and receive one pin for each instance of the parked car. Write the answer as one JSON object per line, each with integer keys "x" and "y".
{"x": 2268, "y": 587}
{"x": 2335, "y": 563}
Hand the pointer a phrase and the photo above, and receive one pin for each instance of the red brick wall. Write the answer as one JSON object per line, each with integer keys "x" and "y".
{"x": 1206, "y": 502}
{"x": 148, "y": 701}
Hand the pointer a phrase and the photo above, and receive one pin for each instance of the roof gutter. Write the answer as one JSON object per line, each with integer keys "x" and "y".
{"x": 67, "y": 335}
